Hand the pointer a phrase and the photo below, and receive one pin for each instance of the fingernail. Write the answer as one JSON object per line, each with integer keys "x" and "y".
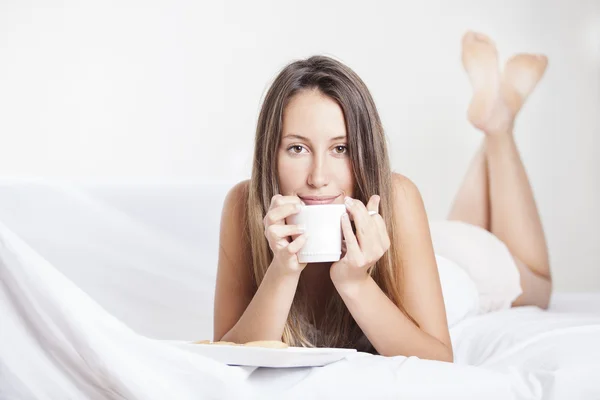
{"x": 302, "y": 203}
{"x": 302, "y": 228}
{"x": 348, "y": 201}
{"x": 345, "y": 215}
{"x": 299, "y": 207}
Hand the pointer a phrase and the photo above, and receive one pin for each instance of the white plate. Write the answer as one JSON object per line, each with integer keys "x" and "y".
{"x": 265, "y": 357}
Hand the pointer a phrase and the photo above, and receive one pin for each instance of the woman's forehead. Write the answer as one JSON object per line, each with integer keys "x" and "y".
{"x": 313, "y": 115}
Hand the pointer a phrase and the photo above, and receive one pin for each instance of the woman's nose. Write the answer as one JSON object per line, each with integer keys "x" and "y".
{"x": 318, "y": 176}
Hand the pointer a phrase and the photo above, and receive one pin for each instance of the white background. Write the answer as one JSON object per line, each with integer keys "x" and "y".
{"x": 165, "y": 90}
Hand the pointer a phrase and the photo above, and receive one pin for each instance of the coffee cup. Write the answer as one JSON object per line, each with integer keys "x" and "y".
{"x": 323, "y": 225}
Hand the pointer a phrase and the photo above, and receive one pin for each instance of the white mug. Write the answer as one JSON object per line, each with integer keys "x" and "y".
{"x": 323, "y": 224}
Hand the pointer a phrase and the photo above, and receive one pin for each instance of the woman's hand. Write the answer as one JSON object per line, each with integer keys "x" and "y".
{"x": 365, "y": 248}
{"x": 278, "y": 233}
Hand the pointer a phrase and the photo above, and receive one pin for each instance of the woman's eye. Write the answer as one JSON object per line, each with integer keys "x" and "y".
{"x": 297, "y": 149}
{"x": 341, "y": 149}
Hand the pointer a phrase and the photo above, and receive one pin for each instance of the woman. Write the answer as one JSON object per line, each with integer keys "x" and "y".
{"x": 319, "y": 140}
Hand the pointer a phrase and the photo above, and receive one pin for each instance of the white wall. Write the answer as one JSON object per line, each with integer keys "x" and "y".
{"x": 171, "y": 90}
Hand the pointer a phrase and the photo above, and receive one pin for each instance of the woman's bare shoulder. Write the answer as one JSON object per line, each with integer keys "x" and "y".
{"x": 234, "y": 205}
{"x": 238, "y": 194}
{"x": 234, "y": 250}
{"x": 403, "y": 186}
{"x": 409, "y": 208}
{"x": 234, "y": 265}
{"x": 233, "y": 219}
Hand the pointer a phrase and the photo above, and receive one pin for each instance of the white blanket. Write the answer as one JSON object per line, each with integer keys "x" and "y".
{"x": 60, "y": 339}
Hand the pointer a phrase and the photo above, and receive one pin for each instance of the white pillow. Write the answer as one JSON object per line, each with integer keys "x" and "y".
{"x": 484, "y": 257}
{"x": 460, "y": 293}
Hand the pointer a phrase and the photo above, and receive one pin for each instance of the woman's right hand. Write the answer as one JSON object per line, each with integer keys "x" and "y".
{"x": 278, "y": 233}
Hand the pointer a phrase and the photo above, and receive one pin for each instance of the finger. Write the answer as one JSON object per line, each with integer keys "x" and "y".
{"x": 383, "y": 233}
{"x": 361, "y": 217}
{"x": 276, "y": 232}
{"x": 297, "y": 244}
{"x": 279, "y": 200}
{"x": 380, "y": 223}
{"x": 351, "y": 242}
{"x": 274, "y": 201}
{"x": 278, "y": 214}
{"x": 279, "y": 244}
{"x": 373, "y": 204}
{"x": 344, "y": 249}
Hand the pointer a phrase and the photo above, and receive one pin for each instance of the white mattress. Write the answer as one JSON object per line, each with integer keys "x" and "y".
{"x": 92, "y": 284}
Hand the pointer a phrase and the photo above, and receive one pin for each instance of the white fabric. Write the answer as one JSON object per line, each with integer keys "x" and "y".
{"x": 56, "y": 342}
{"x": 146, "y": 253}
{"x": 461, "y": 297}
{"x": 545, "y": 355}
{"x": 484, "y": 257}
{"x": 91, "y": 281}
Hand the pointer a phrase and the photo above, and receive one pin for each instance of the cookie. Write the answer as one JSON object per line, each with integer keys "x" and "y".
{"x": 270, "y": 344}
{"x": 217, "y": 343}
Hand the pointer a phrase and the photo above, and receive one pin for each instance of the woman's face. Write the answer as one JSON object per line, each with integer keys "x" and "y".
{"x": 312, "y": 159}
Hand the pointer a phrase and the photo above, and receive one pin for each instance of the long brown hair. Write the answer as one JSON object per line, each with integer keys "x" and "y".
{"x": 372, "y": 175}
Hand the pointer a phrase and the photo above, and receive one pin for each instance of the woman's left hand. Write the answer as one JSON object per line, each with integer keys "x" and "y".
{"x": 365, "y": 248}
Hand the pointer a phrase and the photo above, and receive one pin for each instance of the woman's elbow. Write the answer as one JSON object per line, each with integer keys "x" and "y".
{"x": 448, "y": 355}
{"x": 444, "y": 353}
{"x": 544, "y": 293}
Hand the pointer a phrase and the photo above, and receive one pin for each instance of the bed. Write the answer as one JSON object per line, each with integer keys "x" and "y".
{"x": 99, "y": 282}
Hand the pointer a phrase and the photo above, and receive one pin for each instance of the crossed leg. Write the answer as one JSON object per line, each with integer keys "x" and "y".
{"x": 495, "y": 193}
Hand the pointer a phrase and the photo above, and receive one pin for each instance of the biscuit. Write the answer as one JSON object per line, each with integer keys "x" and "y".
{"x": 271, "y": 344}
{"x": 217, "y": 343}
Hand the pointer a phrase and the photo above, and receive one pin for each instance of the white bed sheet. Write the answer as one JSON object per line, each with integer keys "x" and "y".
{"x": 544, "y": 354}
{"x": 521, "y": 353}
{"x": 56, "y": 342}
{"x": 74, "y": 265}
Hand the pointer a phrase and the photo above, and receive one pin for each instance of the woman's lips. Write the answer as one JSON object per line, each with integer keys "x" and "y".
{"x": 315, "y": 200}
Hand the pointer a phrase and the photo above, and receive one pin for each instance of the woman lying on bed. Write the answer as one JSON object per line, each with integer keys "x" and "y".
{"x": 319, "y": 135}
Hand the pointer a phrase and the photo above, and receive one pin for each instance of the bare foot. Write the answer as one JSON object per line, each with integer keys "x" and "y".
{"x": 480, "y": 60}
{"x": 497, "y": 99}
{"x": 521, "y": 74}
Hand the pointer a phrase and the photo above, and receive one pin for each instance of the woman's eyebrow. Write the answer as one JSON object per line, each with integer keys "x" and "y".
{"x": 300, "y": 137}
{"x": 295, "y": 136}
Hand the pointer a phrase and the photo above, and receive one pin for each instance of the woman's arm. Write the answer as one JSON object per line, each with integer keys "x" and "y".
{"x": 267, "y": 313}
{"x": 386, "y": 327}
{"x": 240, "y": 315}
